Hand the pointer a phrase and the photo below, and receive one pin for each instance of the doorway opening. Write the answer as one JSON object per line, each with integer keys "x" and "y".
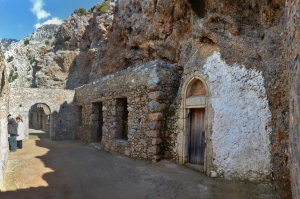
{"x": 98, "y": 119}
{"x": 195, "y": 150}
{"x": 39, "y": 120}
{"x": 100, "y": 122}
{"x": 122, "y": 119}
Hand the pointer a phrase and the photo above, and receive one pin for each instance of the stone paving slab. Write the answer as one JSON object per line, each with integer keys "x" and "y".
{"x": 72, "y": 169}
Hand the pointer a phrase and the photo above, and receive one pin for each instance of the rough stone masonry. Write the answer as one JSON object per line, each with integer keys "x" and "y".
{"x": 243, "y": 54}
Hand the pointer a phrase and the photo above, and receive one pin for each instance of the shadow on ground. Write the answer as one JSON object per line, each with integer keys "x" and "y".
{"x": 75, "y": 170}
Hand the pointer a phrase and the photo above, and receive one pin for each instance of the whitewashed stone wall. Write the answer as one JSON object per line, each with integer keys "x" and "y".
{"x": 60, "y": 102}
{"x": 240, "y": 134}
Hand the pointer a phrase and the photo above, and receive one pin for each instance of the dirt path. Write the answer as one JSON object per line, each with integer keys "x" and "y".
{"x": 71, "y": 169}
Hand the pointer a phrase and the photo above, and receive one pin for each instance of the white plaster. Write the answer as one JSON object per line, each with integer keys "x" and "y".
{"x": 240, "y": 133}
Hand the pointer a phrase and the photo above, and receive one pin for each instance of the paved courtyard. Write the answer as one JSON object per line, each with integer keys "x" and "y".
{"x": 74, "y": 170}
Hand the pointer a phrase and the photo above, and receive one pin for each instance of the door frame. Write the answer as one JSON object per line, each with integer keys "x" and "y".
{"x": 184, "y": 122}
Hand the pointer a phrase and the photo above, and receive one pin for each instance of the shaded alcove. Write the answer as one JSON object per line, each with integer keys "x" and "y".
{"x": 198, "y": 6}
{"x": 39, "y": 117}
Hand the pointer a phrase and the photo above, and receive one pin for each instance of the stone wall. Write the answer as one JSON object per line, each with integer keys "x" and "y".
{"x": 147, "y": 89}
{"x": 60, "y": 102}
{"x": 4, "y": 93}
{"x": 237, "y": 120}
{"x": 239, "y": 116}
{"x": 293, "y": 63}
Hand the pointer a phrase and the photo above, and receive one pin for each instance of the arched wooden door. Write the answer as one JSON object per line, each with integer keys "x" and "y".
{"x": 196, "y": 103}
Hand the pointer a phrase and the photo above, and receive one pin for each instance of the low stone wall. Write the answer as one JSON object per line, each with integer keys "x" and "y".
{"x": 60, "y": 102}
{"x": 147, "y": 89}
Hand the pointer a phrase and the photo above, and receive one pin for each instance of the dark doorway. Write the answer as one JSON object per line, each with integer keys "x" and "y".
{"x": 125, "y": 121}
{"x": 122, "y": 118}
{"x": 100, "y": 122}
{"x": 197, "y": 136}
{"x": 39, "y": 117}
{"x": 39, "y": 120}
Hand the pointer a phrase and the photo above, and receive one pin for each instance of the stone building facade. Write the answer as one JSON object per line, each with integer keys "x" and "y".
{"x": 235, "y": 125}
{"x": 235, "y": 122}
{"x": 127, "y": 109}
{"x": 59, "y": 102}
{"x": 232, "y": 65}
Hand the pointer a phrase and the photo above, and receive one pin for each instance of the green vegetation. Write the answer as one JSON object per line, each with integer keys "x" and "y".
{"x": 50, "y": 37}
{"x": 26, "y": 42}
{"x": 10, "y": 58}
{"x": 47, "y": 42}
{"x": 103, "y": 7}
{"x": 80, "y": 12}
{"x": 12, "y": 76}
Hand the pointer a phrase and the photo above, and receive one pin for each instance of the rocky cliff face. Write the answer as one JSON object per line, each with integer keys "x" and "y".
{"x": 6, "y": 42}
{"x": 22, "y": 57}
{"x": 132, "y": 32}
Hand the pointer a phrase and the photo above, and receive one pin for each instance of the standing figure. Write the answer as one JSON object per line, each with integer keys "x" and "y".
{"x": 12, "y": 130}
{"x": 20, "y": 132}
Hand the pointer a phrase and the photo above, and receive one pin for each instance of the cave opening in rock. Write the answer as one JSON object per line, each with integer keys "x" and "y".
{"x": 198, "y": 7}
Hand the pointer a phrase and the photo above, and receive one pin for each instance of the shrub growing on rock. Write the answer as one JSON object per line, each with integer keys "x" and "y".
{"x": 12, "y": 76}
{"x": 103, "y": 7}
{"x": 26, "y": 42}
{"x": 10, "y": 58}
{"x": 47, "y": 42}
{"x": 80, "y": 11}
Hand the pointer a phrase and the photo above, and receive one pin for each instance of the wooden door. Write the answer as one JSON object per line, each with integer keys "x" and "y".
{"x": 197, "y": 136}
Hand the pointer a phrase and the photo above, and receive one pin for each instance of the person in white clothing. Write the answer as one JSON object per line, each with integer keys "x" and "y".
{"x": 20, "y": 132}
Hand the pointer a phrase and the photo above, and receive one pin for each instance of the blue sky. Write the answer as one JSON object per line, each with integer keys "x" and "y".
{"x": 19, "y": 18}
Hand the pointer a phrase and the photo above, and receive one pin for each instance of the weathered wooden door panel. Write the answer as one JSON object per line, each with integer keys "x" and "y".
{"x": 197, "y": 136}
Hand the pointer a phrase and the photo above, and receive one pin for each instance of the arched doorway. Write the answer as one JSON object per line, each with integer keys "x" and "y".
{"x": 195, "y": 141}
{"x": 196, "y": 103}
{"x": 39, "y": 119}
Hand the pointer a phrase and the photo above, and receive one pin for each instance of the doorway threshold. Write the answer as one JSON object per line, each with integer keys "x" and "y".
{"x": 195, "y": 167}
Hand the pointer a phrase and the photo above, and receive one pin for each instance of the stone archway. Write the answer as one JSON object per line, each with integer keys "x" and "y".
{"x": 61, "y": 109}
{"x": 197, "y": 117}
{"x": 39, "y": 117}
